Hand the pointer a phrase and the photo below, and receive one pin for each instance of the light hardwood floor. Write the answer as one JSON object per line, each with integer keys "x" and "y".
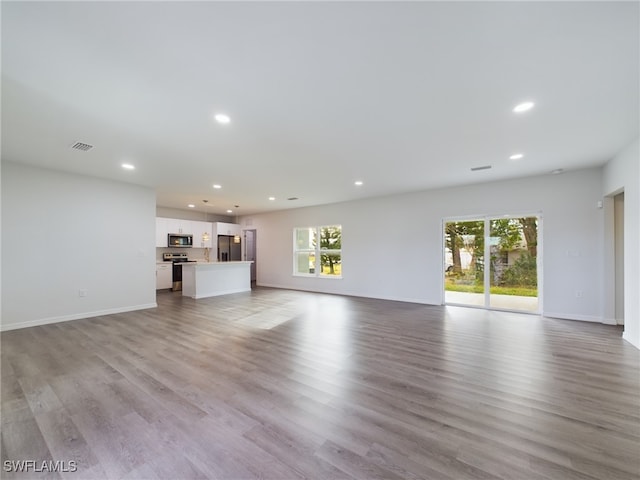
{"x": 278, "y": 384}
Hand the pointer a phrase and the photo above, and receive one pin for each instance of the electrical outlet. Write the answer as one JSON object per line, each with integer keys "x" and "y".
{"x": 578, "y": 293}
{"x": 82, "y": 292}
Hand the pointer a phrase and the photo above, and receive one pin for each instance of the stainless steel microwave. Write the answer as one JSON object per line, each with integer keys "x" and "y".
{"x": 180, "y": 240}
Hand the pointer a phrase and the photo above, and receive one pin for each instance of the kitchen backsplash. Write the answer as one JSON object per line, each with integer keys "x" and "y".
{"x": 193, "y": 253}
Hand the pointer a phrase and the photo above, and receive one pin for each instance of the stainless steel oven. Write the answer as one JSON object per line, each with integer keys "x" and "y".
{"x": 177, "y": 259}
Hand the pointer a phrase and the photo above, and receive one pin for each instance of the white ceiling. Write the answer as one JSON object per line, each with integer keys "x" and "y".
{"x": 403, "y": 96}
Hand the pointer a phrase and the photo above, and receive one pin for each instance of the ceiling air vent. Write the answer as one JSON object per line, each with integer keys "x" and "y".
{"x": 85, "y": 147}
{"x": 484, "y": 167}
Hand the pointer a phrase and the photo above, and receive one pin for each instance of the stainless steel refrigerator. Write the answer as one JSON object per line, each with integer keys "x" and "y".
{"x": 229, "y": 248}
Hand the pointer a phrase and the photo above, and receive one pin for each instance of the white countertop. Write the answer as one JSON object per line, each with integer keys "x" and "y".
{"x": 202, "y": 262}
{"x": 199, "y": 263}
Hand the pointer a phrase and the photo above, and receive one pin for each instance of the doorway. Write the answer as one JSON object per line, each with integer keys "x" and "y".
{"x": 250, "y": 252}
{"x": 493, "y": 262}
{"x": 618, "y": 239}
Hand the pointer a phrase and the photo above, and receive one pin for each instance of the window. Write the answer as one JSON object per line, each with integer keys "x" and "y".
{"x": 508, "y": 247}
{"x": 317, "y": 251}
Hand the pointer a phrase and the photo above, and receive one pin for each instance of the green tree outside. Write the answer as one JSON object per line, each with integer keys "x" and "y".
{"x": 330, "y": 239}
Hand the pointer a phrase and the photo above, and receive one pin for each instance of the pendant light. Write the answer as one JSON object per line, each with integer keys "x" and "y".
{"x": 205, "y": 234}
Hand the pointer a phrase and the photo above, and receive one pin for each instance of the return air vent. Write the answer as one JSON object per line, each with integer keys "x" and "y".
{"x": 484, "y": 167}
{"x": 85, "y": 147}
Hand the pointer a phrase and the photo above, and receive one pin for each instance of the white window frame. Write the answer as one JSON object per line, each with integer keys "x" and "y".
{"x": 317, "y": 251}
{"x": 486, "y": 218}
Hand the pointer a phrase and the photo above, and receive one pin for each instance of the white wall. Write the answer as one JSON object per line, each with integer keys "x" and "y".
{"x": 192, "y": 215}
{"x": 622, "y": 173}
{"x": 62, "y": 233}
{"x": 392, "y": 246}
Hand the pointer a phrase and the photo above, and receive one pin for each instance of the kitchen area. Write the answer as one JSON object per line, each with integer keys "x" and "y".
{"x": 200, "y": 259}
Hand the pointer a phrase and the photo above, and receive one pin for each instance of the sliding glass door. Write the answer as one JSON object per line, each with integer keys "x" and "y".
{"x": 492, "y": 262}
{"x": 464, "y": 263}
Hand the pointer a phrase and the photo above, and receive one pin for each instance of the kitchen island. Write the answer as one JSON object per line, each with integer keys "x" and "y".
{"x": 210, "y": 279}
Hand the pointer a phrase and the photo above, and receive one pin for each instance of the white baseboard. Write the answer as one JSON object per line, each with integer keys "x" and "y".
{"x": 572, "y": 316}
{"x": 350, "y": 294}
{"x": 75, "y": 316}
{"x": 564, "y": 316}
{"x": 627, "y": 337}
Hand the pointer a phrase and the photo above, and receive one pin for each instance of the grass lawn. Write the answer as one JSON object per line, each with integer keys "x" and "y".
{"x": 519, "y": 291}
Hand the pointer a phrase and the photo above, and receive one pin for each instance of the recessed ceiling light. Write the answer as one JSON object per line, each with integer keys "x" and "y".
{"x": 128, "y": 166}
{"x": 358, "y": 183}
{"x": 272, "y": 198}
{"x": 222, "y": 118}
{"x": 229, "y": 211}
{"x": 516, "y": 156}
{"x": 217, "y": 187}
{"x": 523, "y": 107}
{"x": 557, "y": 171}
{"x": 483, "y": 167}
{"x": 191, "y": 205}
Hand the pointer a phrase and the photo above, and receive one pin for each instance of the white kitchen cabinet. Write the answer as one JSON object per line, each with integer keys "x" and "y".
{"x": 199, "y": 229}
{"x": 165, "y": 226}
{"x": 161, "y": 232}
{"x": 176, "y": 225}
{"x": 164, "y": 275}
{"x": 222, "y": 228}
